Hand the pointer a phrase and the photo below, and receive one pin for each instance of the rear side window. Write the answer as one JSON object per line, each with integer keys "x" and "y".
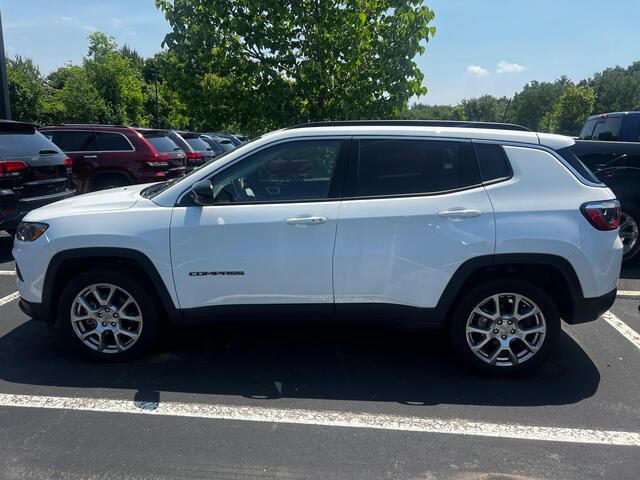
{"x": 404, "y": 167}
{"x": 607, "y": 129}
{"x": 161, "y": 143}
{"x": 113, "y": 142}
{"x": 74, "y": 141}
{"x": 573, "y": 160}
{"x": 24, "y": 144}
{"x": 587, "y": 130}
{"x": 493, "y": 162}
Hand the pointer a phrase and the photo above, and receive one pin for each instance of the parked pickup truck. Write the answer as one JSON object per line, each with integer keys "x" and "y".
{"x": 609, "y": 144}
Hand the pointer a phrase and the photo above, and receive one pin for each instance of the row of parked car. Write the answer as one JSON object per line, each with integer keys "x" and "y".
{"x": 42, "y": 165}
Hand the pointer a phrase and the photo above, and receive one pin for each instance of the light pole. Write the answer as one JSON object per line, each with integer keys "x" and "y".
{"x": 5, "y": 105}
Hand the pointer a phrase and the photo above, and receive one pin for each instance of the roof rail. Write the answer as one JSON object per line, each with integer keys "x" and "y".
{"x": 414, "y": 123}
{"x": 93, "y": 125}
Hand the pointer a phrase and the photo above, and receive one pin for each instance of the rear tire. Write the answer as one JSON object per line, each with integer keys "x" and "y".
{"x": 108, "y": 316}
{"x": 108, "y": 181}
{"x": 630, "y": 234}
{"x": 513, "y": 338}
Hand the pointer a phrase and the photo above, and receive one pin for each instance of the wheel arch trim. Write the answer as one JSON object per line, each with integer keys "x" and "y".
{"x": 139, "y": 258}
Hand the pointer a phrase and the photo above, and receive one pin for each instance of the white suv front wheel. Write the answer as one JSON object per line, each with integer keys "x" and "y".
{"x": 107, "y": 315}
{"x": 505, "y": 326}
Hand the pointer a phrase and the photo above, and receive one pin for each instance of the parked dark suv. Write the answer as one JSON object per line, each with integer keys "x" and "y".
{"x": 33, "y": 172}
{"x": 108, "y": 156}
{"x": 198, "y": 151}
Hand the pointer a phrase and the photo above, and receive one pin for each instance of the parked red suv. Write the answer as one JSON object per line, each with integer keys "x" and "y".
{"x": 107, "y": 156}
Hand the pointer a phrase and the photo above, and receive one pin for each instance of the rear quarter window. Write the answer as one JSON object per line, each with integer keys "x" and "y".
{"x": 607, "y": 129}
{"x": 493, "y": 162}
{"x": 587, "y": 130}
{"x": 113, "y": 142}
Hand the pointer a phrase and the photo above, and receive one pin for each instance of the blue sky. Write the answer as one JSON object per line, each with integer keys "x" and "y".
{"x": 482, "y": 46}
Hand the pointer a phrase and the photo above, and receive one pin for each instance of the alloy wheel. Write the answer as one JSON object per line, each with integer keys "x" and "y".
{"x": 506, "y": 329}
{"x": 628, "y": 232}
{"x": 106, "y": 318}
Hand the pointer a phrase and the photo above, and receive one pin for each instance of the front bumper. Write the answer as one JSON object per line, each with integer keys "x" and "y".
{"x": 589, "y": 309}
{"x": 35, "y": 310}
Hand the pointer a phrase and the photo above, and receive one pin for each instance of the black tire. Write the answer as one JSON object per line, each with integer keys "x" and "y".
{"x": 469, "y": 300}
{"x": 144, "y": 298}
{"x": 633, "y": 252}
{"x": 109, "y": 180}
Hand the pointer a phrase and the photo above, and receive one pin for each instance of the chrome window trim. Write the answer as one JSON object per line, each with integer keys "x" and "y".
{"x": 133, "y": 149}
{"x": 257, "y": 150}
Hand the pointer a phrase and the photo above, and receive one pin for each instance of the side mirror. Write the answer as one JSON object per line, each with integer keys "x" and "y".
{"x": 202, "y": 192}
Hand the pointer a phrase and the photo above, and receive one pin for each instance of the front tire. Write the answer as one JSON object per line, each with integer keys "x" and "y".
{"x": 505, "y": 327}
{"x": 108, "y": 316}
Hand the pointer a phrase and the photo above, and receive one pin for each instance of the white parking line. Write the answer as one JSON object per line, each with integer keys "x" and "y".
{"x": 9, "y": 298}
{"x": 626, "y": 331}
{"x": 7, "y": 272}
{"x": 328, "y": 419}
{"x": 628, "y": 294}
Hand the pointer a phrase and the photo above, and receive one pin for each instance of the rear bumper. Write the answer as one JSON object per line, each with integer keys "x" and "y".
{"x": 12, "y": 208}
{"x": 590, "y": 309}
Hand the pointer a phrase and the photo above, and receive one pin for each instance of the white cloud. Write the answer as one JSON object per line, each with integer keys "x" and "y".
{"x": 89, "y": 28}
{"x": 477, "y": 71}
{"x": 508, "y": 67}
{"x": 67, "y": 19}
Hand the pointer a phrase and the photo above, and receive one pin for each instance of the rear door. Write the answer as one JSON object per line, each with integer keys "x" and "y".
{"x": 82, "y": 148}
{"x": 413, "y": 211}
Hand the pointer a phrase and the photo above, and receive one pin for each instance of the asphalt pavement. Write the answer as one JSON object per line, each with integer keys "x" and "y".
{"x": 292, "y": 401}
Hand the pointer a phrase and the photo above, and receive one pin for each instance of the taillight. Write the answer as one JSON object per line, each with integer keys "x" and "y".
{"x": 12, "y": 169}
{"x": 193, "y": 156}
{"x": 68, "y": 162}
{"x": 602, "y": 215}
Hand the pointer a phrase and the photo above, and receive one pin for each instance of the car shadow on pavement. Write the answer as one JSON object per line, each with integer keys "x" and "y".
{"x": 284, "y": 360}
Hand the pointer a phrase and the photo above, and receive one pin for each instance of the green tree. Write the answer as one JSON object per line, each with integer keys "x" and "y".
{"x": 617, "y": 89}
{"x": 26, "y": 89}
{"x": 572, "y": 109}
{"x": 432, "y": 112}
{"x": 534, "y": 105}
{"x": 273, "y": 63}
{"x": 486, "y": 108}
{"x": 78, "y": 99}
{"x": 116, "y": 79}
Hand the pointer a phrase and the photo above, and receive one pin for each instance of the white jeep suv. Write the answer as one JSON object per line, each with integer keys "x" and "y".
{"x": 494, "y": 234}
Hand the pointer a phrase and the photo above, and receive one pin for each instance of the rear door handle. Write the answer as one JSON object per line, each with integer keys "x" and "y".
{"x": 90, "y": 156}
{"x": 306, "y": 220}
{"x": 460, "y": 213}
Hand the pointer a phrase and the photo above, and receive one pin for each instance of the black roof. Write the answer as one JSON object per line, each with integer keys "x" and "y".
{"x": 415, "y": 123}
{"x": 10, "y": 126}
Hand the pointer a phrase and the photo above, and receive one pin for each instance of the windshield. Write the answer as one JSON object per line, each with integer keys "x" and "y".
{"x": 156, "y": 189}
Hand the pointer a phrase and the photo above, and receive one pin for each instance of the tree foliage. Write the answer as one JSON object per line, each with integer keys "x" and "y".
{"x": 276, "y": 62}
{"x": 573, "y": 108}
{"x": 26, "y": 88}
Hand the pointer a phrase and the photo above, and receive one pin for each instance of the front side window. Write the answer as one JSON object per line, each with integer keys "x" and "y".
{"x": 74, "y": 141}
{"x": 405, "y": 167}
{"x": 295, "y": 171}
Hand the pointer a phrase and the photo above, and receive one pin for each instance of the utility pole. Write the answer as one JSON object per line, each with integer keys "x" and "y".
{"x": 5, "y": 105}
{"x": 155, "y": 69}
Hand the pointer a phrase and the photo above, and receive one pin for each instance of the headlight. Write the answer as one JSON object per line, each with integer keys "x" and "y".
{"x": 29, "y": 231}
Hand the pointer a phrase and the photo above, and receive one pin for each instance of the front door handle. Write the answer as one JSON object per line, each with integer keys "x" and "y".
{"x": 90, "y": 156}
{"x": 306, "y": 220}
{"x": 460, "y": 213}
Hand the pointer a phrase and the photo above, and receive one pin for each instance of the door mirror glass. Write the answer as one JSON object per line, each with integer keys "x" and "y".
{"x": 202, "y": 192}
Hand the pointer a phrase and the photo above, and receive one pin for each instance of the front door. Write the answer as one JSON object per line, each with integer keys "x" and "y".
{"x": 268, "y": 239}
